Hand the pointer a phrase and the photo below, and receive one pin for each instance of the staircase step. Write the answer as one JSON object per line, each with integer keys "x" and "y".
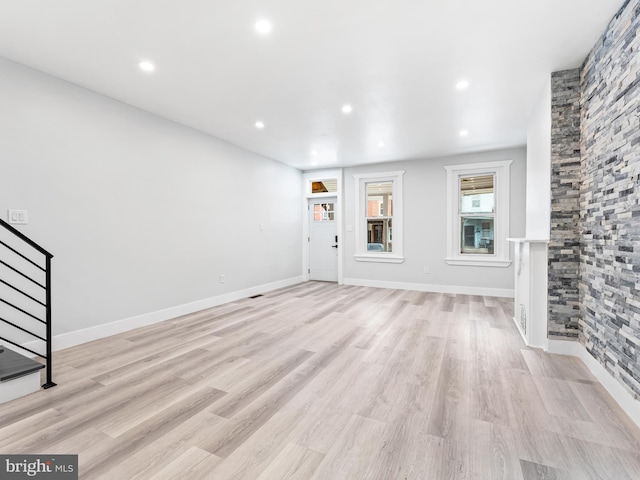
{"x": 19, "y": 375}
{"x": 14, "y": 365}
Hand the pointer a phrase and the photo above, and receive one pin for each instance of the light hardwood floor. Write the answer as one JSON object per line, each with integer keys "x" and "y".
{"x": 320, "y": 381}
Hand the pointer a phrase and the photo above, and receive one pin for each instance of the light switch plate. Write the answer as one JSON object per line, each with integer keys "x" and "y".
{"x": 18, "y": 217}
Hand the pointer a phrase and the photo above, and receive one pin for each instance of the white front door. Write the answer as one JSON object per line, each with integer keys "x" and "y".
{"x": 323, "y": 240}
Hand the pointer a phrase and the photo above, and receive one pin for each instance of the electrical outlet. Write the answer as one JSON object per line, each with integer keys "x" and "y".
{"x": 222, "y": 278}
{"x": 426, "y": 270}
{"x": 18, "y": 217}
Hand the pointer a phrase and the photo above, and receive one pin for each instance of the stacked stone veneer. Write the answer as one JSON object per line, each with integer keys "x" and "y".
{"x": 564, "y": 244}
{"x": 610, "y": 194}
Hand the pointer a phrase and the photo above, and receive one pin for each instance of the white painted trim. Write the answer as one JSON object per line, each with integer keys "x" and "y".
{"x": 424, "y": 287}
{"x": 19, "y": 387}
{"x": 386, "y": 176}
{"x": 321, "y": 195}
{"x": 78, "y": 337}
{"x": 477, "y": 262}
{"x": 379, "y": 258}
{"x": 563, "y": 347}
{"x": 528, "y": 240}
{"x": 543, "y": 346}
{"x": 626, "y": 401}
{"x": 502, "y": 188}
{"x": 524, "y": 338}
{"x": 360, "y": 207}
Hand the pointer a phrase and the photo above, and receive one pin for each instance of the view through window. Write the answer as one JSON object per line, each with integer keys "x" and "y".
{"x": 380, "y": 217}
{"x": 477, "y": 214}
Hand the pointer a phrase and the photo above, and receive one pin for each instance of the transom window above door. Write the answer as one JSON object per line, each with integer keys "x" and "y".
{"x": 329, "y": 185}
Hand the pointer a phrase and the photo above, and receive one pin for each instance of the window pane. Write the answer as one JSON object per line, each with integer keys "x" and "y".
{"x": 379, "y": 199}
{"x": 323, "y": 186}
{"x": 476, "y": 235}
{"x": 380, "y": 235}
{"x": 323, "y": 212}
{"x": 477, "y": 194}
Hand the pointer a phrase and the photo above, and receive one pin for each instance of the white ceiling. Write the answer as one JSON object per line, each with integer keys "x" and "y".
{"x": 396, "y": 62}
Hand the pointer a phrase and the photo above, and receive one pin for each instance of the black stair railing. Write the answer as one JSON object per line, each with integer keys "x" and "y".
{"x": 44, "y": 292}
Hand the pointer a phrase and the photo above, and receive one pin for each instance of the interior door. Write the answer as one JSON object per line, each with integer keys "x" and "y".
{"x": 323, "y": 240}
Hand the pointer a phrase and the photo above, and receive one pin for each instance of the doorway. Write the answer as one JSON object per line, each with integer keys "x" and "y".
{"x": 323, "y": 239}
{"x": 469, "y": 237}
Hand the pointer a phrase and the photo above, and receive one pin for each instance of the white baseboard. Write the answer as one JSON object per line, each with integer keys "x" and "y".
{"x": 424, "y": 287}
{"x": 564, "y": 347}
{"x": 630, "y": 405}
{"x": 78, "y": 337}
{"x": 543, "y": 345}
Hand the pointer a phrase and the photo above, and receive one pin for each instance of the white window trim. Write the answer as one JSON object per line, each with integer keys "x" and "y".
{"x": 362, "y": 255}
{"x": 501, "y": 256}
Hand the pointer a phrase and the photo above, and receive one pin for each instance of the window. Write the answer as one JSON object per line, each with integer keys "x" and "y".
{"x": 379, "y": 217}
{"x": 478, "y": 214}
{"x": 323, "y": 212}
{"x": 324, "y": 183}
{"x": 324, "y": 186}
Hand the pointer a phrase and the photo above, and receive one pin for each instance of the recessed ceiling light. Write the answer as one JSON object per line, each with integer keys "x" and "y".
{"x": 259, "y": 125}
{"x": 146, "y": 66}
{"x": 462, "y": 84}
{"x": 380, "y": 144}
{"x": 263, "y": 27}
{"x": 347, "y": 109}
{"x": 314, "y": 152}
{"x": 464, "y": 133}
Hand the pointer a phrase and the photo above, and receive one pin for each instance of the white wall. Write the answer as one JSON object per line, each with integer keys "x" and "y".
{"x": 425, "y": 194}
{"x": 539, "y": 167}
{"x": 141, "y": 213}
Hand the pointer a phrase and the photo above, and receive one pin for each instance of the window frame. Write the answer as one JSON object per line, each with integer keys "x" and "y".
{"x": 361, "y": 252}
{"x": 501, "y": 172}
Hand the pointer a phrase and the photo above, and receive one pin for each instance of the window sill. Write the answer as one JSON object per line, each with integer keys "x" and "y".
{"x": 379, "y": 258}
{"x": 478, "y": 262}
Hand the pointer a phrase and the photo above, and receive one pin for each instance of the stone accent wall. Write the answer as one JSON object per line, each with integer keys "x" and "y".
{"x": 564, "y": 244}
{"x": 610, "y": 194}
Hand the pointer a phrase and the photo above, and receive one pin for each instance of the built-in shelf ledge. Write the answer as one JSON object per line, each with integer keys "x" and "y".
{"x": 528, "y": 240}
